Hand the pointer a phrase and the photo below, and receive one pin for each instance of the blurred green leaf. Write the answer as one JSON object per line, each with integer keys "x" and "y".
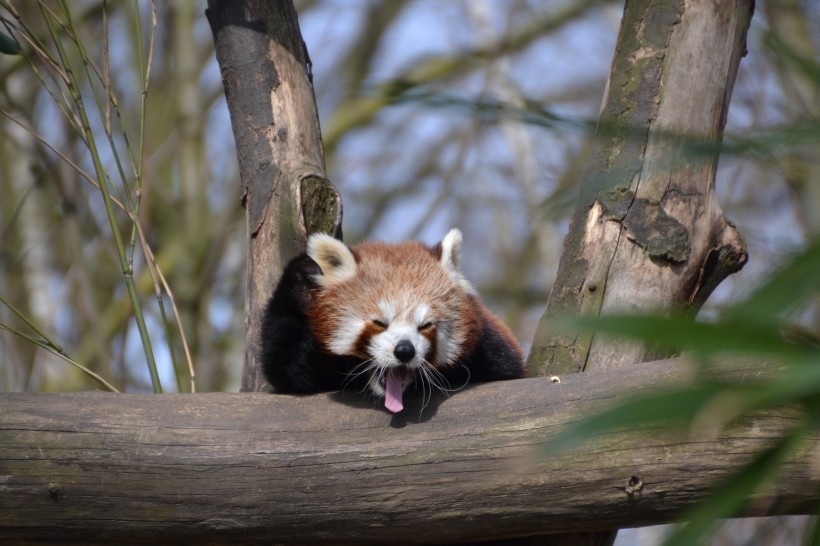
{"x": 729, "y": 498}
{"x": 667, "y": 407}
{"x": 712, "y": 404}
{"x": 680, "y": 333}
{"x": 750, "y": 328}
{"x": 807, "y": 66}
{"x": 785, "y": 290}
{"x": 9, "y": 45}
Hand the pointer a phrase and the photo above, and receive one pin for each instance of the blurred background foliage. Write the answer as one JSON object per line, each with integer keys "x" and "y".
{"x": 764, "y": 327}
{"x": 469, "y": 113}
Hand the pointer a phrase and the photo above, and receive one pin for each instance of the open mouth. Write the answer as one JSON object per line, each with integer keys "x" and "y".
{"x": 393, "y": 382}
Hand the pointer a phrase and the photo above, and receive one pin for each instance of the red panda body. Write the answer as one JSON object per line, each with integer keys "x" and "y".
{"x": 386, "y": 315}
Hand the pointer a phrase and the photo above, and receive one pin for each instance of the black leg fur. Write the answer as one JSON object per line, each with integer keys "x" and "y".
{"x": 291, "y": 359}
{"x": 494, "y": 359}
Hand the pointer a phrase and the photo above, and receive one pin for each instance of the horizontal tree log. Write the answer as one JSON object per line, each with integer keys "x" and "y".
{"x": 211, "y": 468}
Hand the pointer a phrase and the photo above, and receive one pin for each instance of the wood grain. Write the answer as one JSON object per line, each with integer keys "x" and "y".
{"x": 335, "y": 468}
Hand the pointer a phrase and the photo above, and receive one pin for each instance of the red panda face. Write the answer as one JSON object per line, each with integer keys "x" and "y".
{"x": 401, "y": 308}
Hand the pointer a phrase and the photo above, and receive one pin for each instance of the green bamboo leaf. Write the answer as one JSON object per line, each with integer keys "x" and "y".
{"x": 669, "y": 407}
{"x": 784, "y": 291}
{"x": 712, "y": 404}
{"x": 9, "y": 45}
{"x": 800, "y": 381}
{"x": 680, "y": 333}
{"x": 805, "y": 65}
{"x": 729, "y": 498}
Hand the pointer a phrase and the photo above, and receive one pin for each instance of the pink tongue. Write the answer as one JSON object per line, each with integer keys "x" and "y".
{"x": 392, "y": 399}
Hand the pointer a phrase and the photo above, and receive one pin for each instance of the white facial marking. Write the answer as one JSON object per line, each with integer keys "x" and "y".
{"x": 345, "y": 337}
{"x": 382, "y": 349}
{"x": 421, "y": 313}
{"x": 388, "y": 311}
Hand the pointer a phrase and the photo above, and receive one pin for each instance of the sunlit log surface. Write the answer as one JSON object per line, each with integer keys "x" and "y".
{"x": 97, "y": 467}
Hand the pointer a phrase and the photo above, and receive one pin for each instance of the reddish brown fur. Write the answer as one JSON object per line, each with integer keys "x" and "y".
{"x": 377, "y": 314}
{"x": 385, "y": 270}
{"x": 369, "y": 331}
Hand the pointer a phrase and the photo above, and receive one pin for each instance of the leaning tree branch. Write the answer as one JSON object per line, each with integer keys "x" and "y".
{"x": 286, "y": 194}
{"x": 94, "y": 467}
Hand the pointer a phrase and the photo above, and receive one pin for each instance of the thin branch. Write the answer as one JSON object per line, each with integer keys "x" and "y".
{"x": 56, "y": 350}
{"x": 156, "y": 275}
{"x": 62, "y": 156}
{"x": 101, "y": 176}
{"x": 359, "y": 111}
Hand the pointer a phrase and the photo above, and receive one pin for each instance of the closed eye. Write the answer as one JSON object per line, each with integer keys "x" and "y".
{"x": 380, "y": 324}
{"x": 425, "y": 326}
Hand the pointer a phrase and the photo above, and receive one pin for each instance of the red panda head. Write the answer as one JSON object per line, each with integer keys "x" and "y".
{"x": 403, "y": 309}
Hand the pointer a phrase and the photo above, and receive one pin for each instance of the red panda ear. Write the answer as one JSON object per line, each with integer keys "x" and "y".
{"x": 451, "y": 256}
{"x": 451, "y": 251}
{"x": 333, "y": 257}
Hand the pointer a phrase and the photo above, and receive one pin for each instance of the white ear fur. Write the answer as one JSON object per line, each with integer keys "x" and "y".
{"x": 451, "y": 251}
{"x": 334, "y": 258}
{"x": 451, "y": 257}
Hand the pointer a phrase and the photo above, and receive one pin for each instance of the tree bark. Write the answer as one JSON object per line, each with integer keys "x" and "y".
{"x": 213, "y": 468}
{"x": 648, "y": 234}
{"x": 286, "y": 194}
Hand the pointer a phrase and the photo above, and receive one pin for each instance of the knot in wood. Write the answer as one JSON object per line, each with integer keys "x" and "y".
{"x": 54, "y": 491}
{"x": 634, "y": 485}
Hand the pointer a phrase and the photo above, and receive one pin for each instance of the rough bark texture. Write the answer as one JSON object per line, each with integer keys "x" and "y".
{"x": 648, "y": 234}
{"x": 211, "y": 468}
{"x": 285, "y": 192}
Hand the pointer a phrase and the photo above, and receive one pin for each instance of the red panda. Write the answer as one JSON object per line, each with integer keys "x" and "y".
{"x": 383, "y": 316}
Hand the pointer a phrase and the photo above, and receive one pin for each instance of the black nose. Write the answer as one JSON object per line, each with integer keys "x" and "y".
{"x": 404, "y": 351}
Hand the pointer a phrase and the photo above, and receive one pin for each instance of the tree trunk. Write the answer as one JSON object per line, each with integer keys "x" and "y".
{"x": 648, "y": 234}
{"x": 218, "y": 468}
{"x": 266, "y": 73}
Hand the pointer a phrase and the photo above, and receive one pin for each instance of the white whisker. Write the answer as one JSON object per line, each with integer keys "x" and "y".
{"x": 426, "y": 395}
{"x": 358, "y": 370}
{"x": 441, "y": 381}
{"x": 430, "y": 375}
